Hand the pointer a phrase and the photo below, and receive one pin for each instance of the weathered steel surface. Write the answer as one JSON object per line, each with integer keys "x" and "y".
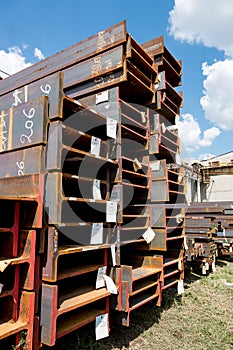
{"x": 64, "y": 208}
{"x": 19, "y": 271}
{"x": 105, "y": 103}
{"x": 166, "y": 183}
{"x": 165, "y": 106}
{"x": 164, "y": 85}
{"x": 164, "y": 143}
{"x": 63, "y": 262}
{"x": 140, "y": 283}
{"x": 164, "y": 60}
{"x": 95, "y": 67}
{"x": 24, "y": 321}
{"x": 24, "y": 125}
{"x": 128, "y": 77}
{"x": 73, "y": 138}
{"x": 159, "y": 191}
{"x": 208, "y": 228}
{"x": 159, "y": 169}
{"x": 54, "y": 303}
{"x": 30, "y": 190}
{"x": 199, "y": 222}
{"x": 51, "y": 86}
{"x": 28, "y": 187}
{"x": 23, "y": 162}
{"x": 52, "y": 171}
{"x": 132, "y": 69}
{"x": 97, "y": 43}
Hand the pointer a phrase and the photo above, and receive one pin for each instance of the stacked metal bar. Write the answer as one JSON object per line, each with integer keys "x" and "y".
{"x": 21, "y": 198}
{"x": 224, "y": 239}
{"x": 137, "y": 278}
{"x": 17, "y": 264}
{"x": 49, "y": 175}
{"x": 168, "y": 183}
{"x": 201, "y": 250}
{"x": 107, "y": 59}
{"x": 209, "y": 233}
{"x": 85, "y": 135}
{"x": 79, "y": 232}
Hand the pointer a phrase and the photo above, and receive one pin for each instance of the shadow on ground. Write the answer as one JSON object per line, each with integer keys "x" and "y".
{"x": 120, "y": 336}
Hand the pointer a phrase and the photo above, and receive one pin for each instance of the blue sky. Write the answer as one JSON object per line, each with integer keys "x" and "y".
{"x": 197, "y": 32}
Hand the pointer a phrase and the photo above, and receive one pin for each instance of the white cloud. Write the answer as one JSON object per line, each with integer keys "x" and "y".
{"x": 190, "y": 133}
{"x": 217, "y": 101}
{"x": 12, "y": 61}
{"x": 209, "y": 22}
{"x": 208, "y": 136}
{"x": 205, "y": 156}
{"x": 38, "y": 54}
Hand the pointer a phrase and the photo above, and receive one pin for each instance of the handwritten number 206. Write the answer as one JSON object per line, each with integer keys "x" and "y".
{"x": 28, "y": 125}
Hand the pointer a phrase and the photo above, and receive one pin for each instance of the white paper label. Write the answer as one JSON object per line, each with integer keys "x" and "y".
{"x": 179, "y": 265}
{"x": 143, "y": 117}
{"x": 203, "y": 270}
{"x": 185, "y": 243}
{"x": 111, "y": 211}
{"x": 163, "y": 126}
{"x": 101, "y": 97}
{"x": 213, "y": 267}
{"x": 101, "y": 327}
{"x": 207, "y": 266}
{"x": 116, "y": 193}
{"x": 113, "y": 253}
{"x": 171, "y": 127}
{"x": 110, "y": 285}
{"x": 1, "y": 287}
{"x": 137, "y": 165}
{"x": 149, "y": 235}
{"x": 96, "y": 189}
{"x": 230, "y": 250}
{"x": 180, "y": 287}
{"x": 179, "y": 218}
{"x": 155, "y": 166}
{"x": 111, "y": 128}
{"x": 4, "y": 264}
{"x": 97, "y": 233}
{"x": 95, "y": 146}
{"x": 100, "y": 277}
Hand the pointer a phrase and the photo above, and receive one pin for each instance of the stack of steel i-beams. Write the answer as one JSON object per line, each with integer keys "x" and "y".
{"x": 168, "y": 182}
{"x": 91, "y": 188}
{"x": 224, "y": 223}
{"x": 209, "y": 234}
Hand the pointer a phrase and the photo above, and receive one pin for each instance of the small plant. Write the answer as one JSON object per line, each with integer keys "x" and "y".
{"x": 22, "y": 344}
